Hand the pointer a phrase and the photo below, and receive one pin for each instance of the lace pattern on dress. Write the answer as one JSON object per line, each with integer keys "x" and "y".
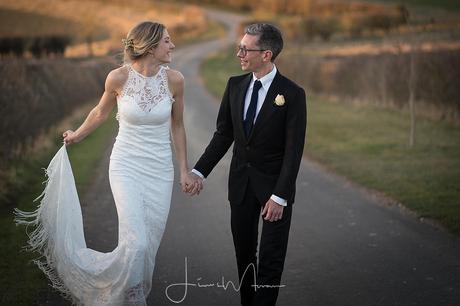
{"x": 147, "y": 92}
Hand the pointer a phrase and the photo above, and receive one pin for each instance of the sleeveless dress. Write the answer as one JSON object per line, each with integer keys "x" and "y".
{"x": 141, "y": 176}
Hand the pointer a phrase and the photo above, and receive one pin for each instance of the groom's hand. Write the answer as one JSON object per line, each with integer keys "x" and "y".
{"x": 272, "y": 211}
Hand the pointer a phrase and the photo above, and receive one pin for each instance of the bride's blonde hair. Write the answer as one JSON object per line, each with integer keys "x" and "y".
{"x": 140, "y": 39}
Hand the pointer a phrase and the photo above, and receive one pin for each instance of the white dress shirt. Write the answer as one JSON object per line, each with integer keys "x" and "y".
{"x": 266, "y": 81}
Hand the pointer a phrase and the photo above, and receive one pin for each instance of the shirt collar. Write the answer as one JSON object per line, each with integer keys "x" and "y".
{"x": 266, "y": 80}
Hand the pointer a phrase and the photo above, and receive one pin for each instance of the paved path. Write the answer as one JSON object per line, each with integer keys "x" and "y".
{"x": 346, "y": 247}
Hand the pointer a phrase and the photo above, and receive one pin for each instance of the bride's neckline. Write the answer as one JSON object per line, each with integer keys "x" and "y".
{"x": 144, "y": 76}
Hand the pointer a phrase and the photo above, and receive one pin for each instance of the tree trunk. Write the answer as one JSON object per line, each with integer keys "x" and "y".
{"x": 412, "y": 88}
{"x": 89, "y": 44}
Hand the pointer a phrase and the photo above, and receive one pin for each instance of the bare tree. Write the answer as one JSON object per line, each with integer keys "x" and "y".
{"x": 412, "y": 86}
{"x": 412, "y": 83}
{"x": 89, "y": 29}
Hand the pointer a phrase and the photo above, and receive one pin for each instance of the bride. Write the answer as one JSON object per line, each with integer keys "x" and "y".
{"x": 149, "y": 97}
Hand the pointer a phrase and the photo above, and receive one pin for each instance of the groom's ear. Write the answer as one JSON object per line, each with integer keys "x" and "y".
{"x": 268, "y": 54}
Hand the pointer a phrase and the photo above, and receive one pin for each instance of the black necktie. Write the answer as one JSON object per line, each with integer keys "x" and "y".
{"x": 251, "y": 112}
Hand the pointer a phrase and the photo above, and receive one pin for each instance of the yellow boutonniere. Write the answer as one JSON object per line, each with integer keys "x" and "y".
{"x": 279, "y": 100}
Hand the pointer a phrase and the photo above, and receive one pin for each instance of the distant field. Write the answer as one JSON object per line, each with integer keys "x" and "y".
{"x": 12, "y": 23}
{"x": 25, "y": 24}
{"x": 112, "y": 19}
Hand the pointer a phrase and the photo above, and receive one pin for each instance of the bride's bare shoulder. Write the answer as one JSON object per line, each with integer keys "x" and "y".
{"x": 175, "y": 77}
{"x": 117, "y": 78}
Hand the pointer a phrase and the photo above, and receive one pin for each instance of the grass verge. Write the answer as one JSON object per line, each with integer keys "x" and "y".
{"x": 369, "y": 145}
{"x": 22, "y": 283}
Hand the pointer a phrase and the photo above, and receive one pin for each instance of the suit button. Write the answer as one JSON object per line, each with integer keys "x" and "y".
{"x": 248, "y": 147}
{"x": 249, "y": 165}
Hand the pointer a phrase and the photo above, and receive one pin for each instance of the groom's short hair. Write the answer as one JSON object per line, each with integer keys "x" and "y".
{"x": 270, "y": 37}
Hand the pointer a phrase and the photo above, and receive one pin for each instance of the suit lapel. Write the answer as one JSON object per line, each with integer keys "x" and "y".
{"x": 267, "y": 107}
{"x": 241, "y": 95}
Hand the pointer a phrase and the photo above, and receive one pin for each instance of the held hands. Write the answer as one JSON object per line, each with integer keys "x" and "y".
{"x": 191, "y": 183}
{"x": 70, "y": 137}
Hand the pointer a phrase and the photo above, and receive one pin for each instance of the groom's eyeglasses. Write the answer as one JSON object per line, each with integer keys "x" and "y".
{"x": 245, "y": 51}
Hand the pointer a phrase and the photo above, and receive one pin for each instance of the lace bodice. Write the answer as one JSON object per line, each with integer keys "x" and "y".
{"x": 144, "y": 100}
{"x": 147, "y": 91}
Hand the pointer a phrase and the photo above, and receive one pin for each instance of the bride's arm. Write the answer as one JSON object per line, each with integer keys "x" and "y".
{"x": 176, "y": 82}
{"x": 100, "y": 112}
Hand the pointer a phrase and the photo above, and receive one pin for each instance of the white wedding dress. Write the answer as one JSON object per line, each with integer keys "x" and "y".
{"x": 141, "y": 177}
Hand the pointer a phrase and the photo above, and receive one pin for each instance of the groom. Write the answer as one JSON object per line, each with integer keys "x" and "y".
{"x": 264, "y": 114}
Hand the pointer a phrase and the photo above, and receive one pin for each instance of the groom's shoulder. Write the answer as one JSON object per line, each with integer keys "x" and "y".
{"x": 288, "y": 83}
{"x": 237, "y": 78}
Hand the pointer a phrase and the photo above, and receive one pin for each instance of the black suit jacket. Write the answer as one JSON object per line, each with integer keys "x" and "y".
{"x": 270, "y": 157}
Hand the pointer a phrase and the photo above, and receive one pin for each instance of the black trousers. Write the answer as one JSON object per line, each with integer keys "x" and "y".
{"x": 259, "y": 282}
